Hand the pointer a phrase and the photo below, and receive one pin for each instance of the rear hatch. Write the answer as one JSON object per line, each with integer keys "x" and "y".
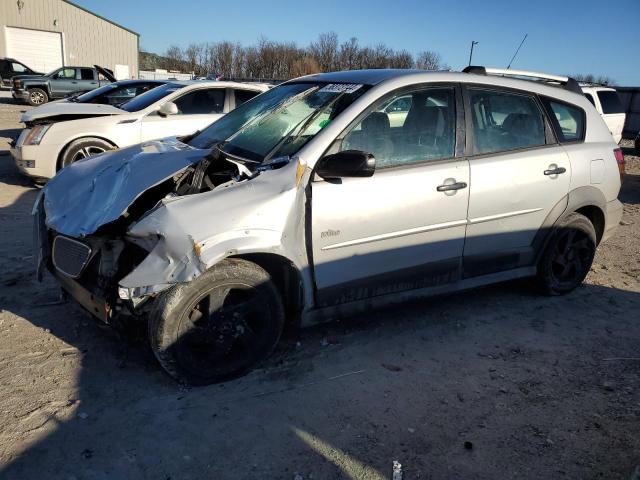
{"x": 612, "y": 112}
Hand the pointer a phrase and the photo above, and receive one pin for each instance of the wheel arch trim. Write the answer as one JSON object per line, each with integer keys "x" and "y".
{"x": 66, "y": 146}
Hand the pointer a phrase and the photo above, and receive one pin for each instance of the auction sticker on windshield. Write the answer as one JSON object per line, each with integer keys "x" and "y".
{"x": 340, "y": 87}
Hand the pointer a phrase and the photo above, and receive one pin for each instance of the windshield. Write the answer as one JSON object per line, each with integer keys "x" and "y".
{"x": 150, "y": 97}
{"x": 280, "y": 121}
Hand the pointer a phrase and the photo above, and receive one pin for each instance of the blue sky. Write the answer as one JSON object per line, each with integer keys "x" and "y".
{"x": 565, "y": 36}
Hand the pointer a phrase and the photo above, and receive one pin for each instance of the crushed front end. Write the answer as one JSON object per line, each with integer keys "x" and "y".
{"x": 118, "y": 229}
{"x": 83, "y": 216}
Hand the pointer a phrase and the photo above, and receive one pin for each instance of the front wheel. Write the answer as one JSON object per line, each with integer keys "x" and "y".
{"x": 217, "y": 326}
{"x": 568, "y": 256}
{"x": 37, "y": 96}
{"x": 83, "y": 148}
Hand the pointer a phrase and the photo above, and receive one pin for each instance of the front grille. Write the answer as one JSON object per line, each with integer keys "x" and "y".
{"x": 70, "y": 256}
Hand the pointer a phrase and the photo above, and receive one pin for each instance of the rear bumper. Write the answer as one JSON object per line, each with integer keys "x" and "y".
{"x": 613, "y": 215}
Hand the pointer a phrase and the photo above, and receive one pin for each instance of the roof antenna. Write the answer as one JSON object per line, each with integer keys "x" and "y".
{"x": 519, "y": 46}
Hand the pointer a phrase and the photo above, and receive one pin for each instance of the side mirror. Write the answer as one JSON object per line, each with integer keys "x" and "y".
{"x": 349, "y": 163}
{"x": 168, "y": 108}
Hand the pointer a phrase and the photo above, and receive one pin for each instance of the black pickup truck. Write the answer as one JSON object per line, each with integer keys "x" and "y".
{"x": 10, "y": 67}
{"x": 62, "y": 82}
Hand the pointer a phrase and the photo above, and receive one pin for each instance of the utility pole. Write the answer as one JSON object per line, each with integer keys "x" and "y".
{"x": 473, "y": 42}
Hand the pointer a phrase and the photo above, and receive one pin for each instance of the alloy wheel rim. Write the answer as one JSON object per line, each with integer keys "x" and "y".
{"x": 573, "y": 253}
{"x": 222, "y": 332}
{"x": 37, "y": 97}
{"x": 85, "y": 152}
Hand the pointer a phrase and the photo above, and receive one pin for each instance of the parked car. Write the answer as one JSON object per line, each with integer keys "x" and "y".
{"x": 10, "y": 67}
{"x": 62, "y": 82}
{"x": 608, "y": 104}
{"x": 115, "y": 94}
{"x": 56, "y": 137}
{"x": 304, "y": 204}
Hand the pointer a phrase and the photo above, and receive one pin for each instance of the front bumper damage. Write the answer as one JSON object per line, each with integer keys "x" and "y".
{"x": 89, "y": 204}
{"x": 146, "y": 233}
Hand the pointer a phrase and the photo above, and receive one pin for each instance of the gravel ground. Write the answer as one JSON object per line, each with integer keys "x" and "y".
{"x": 494, "y": 383}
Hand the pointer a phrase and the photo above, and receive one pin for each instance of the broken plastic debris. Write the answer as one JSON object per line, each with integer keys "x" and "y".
{"x": 397, "y": 470}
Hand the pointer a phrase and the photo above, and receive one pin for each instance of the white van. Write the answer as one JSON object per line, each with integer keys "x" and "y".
{"x": 607, "y": 102}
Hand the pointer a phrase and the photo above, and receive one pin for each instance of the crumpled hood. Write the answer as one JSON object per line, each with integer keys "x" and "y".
{"x": 69, "y": 108}
{"x": 96, "y": 191}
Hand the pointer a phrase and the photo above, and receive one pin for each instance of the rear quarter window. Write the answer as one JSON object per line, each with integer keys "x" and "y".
{"x": 590, "y": 98}
{"x": 568, "y": 120}
{"x": 610, "y": 102}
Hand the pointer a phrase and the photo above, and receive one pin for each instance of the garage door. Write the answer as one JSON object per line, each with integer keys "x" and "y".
{"x": 41, "y": 51}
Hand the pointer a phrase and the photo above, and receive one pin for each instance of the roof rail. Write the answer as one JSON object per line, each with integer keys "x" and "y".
{"x": 567, "y": 83}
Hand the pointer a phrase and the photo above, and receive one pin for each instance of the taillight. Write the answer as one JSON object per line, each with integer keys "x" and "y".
{"x": 620, "y": 160}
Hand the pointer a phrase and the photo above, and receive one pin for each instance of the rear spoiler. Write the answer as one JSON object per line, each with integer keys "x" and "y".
{"x": 566, "y": 83}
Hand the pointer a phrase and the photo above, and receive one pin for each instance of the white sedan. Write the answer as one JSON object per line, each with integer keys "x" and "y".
{"x": 65, "y": 132}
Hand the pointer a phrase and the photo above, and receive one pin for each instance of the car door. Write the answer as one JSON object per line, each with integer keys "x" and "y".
{"x": 63, "y": 82}
{"x": 519, "y": 172}
{"x": 196, "y": 109}
{"x": 87, "y": 79}
{"x": 242, "y": 95}
{"x": 404, "y": 227}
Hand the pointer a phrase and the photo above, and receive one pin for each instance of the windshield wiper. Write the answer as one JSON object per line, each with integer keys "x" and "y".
{"x": 261, "y": 117}
{"x": 231, "y": 156}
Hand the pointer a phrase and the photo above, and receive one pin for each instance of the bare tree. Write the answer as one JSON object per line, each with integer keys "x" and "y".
{"x": 591, "y": 78}
{"x": 429, "y": 60}
{"x": 325, "y": 51}
{"x": 401, "y": 59}
{"x": 348, "y": 55}
{"x": 282, "y": 60}
{"x": 192, "y": 56}
{"x": 174, "y": 58}
{"x": 304, "y": 66}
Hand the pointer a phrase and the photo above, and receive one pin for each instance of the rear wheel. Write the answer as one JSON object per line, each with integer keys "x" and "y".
{"x": 83, "y": 148}
{"x": 37, "y": 96}
{"x": 218, "y": 326}
{"x": 568, "y": 256}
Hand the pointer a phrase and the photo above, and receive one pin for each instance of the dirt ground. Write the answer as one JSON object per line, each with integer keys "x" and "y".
{"x": 494, "y": 383}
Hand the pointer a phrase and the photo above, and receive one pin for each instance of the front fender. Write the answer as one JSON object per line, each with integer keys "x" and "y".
{"x": 262, "y": 215}
{"x": 43, "y": 86}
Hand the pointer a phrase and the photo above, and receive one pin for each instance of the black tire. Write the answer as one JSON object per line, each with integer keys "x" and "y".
{"x": 243, "y": 329}
{"x": 568, "y": 256}
{"x": 37, "y": 96}
{"x": 82, "y": 148}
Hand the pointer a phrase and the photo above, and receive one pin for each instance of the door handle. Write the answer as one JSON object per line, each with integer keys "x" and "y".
{"x": 74, "y": 82}
{"x": 555, "y": 171}
{"x": 451, "y": 186}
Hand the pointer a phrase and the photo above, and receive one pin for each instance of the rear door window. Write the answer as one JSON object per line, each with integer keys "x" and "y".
{"x": 86, "y": 74}
{"x": 244, "y": 95}
{"x": 504, "y": 121}
{"x": 610, "y": 102}
{"x": 590, "y": 98}
{"x": 568, "y": 121}
{"x": 202, "y": 102}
